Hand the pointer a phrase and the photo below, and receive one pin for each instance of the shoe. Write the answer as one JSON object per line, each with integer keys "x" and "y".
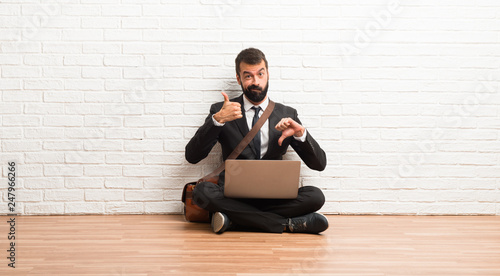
{"x": 313, "y": 223}
{"x": 220, "y": 222}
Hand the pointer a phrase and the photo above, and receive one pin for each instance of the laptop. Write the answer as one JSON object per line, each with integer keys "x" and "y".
{"x": 270, "y": 179}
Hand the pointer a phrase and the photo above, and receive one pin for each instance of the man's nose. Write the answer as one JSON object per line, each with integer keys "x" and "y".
{"x": 255, "y": 80}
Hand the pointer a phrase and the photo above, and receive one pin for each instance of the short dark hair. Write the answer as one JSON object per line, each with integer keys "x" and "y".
{"x": 250, "y": 56}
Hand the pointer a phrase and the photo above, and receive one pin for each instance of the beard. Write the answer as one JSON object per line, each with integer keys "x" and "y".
{"x": 255, "y": 96}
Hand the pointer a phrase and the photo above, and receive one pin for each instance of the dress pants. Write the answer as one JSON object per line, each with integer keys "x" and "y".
{"x": 269, "y": 215}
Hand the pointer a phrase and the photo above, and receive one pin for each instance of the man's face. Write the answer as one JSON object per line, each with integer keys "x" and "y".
{"x": 254, "y": 81}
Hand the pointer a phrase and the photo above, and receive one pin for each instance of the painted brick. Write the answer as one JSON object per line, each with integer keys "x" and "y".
{"x": 140, "y": 23}
{"x": 102, "y": 145}
{"x": 28, "y": 196}
{"x": 44, "y": 183}
{"x": 124, "y": 158}
{"x": 21, "y": 146}
{"x": 62, "y": 145}
{"x": 63, "y": 121}
{"x": 63, "y": 97}
{"x": 122, "y": 60}
{"x": 151, "y": 195}
{"x": 166, "y": 207}
{"x": 63, "y": 195}
{"x": 62, "y": 47}
{"x": 44, "y": 208}
{"x": 145, "y": 171}
{"x": 124, "y": 208}
{"x": 102, "y": 170}
{"x": 83, "y": 158}
{"x": 143, "y": 145}
{"x": 101, "y": 48}
{"x": 93, "y": 133}
{"x": 83, "y": 109}
{"x": 84, "y": 183}
{"x": 44, "y": 158}
{"x": 63, "y": 170}
{"x": 129, "y": 134}
{"x": 26, "y": 121}
{"x": 103, "y": 195}
{"x": 124, "y": 183}
{"x": 20, "y": 72}
{"x": 83, "y": 208}
{"x": 43, "y": 109}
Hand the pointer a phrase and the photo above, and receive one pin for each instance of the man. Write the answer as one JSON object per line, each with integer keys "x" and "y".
{"x": 228, "y": 122}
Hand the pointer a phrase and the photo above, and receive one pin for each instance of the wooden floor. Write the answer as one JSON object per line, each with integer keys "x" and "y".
{"x": 167, "y": 245}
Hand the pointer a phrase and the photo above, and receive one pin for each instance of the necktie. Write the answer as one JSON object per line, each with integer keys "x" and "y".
{"x": 256, "y": 139}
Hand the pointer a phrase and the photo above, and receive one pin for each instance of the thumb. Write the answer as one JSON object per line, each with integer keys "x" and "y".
{"x": 280, "y": 141}
{"x": 226, "y": 97}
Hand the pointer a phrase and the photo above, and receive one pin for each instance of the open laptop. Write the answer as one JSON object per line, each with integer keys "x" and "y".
{"x": 278, "y": 179}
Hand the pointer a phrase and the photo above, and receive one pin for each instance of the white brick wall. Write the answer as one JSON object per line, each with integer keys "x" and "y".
{"x": 99, "y": 98}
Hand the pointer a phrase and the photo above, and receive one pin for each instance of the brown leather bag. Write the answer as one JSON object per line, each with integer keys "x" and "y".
{"x": 193, "y": 212}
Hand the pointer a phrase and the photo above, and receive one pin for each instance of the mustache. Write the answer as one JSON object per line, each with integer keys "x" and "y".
{"x": 256, "y": 87}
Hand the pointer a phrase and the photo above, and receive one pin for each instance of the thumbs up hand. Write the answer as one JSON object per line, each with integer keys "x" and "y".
{"x": 230, "y": 111}
{"x": 289, "y": 127}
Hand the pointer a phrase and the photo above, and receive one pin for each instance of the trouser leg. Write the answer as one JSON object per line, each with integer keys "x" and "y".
{"x": 309, "y": 199}
{"x": 210, "y": 196}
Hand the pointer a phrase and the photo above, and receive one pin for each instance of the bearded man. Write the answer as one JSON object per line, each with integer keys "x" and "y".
{"x": 228, "y": 122}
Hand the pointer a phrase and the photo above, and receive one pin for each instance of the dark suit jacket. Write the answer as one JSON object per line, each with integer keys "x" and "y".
{"x": 233, "y": 132}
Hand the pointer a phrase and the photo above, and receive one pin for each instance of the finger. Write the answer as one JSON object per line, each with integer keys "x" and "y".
{"x": 226, "y": 97}
{"x": 232, "y": 106}
{"x": 279, "y": 125}
{"x": 283, "y": 125}
{"x": 280, "y": 141}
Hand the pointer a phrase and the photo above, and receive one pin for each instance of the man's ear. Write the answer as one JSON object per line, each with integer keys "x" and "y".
{"x": 238, "y": 79}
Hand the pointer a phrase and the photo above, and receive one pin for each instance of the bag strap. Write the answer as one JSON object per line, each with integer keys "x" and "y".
{"x": 244, "y": 142}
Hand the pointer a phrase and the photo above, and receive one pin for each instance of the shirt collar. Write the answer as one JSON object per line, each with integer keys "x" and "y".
{"x": 247, "y": 105}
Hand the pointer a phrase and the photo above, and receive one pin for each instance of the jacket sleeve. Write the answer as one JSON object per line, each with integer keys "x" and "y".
{"x": 309, "y": 151}
{"x": 204, "y": 139}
